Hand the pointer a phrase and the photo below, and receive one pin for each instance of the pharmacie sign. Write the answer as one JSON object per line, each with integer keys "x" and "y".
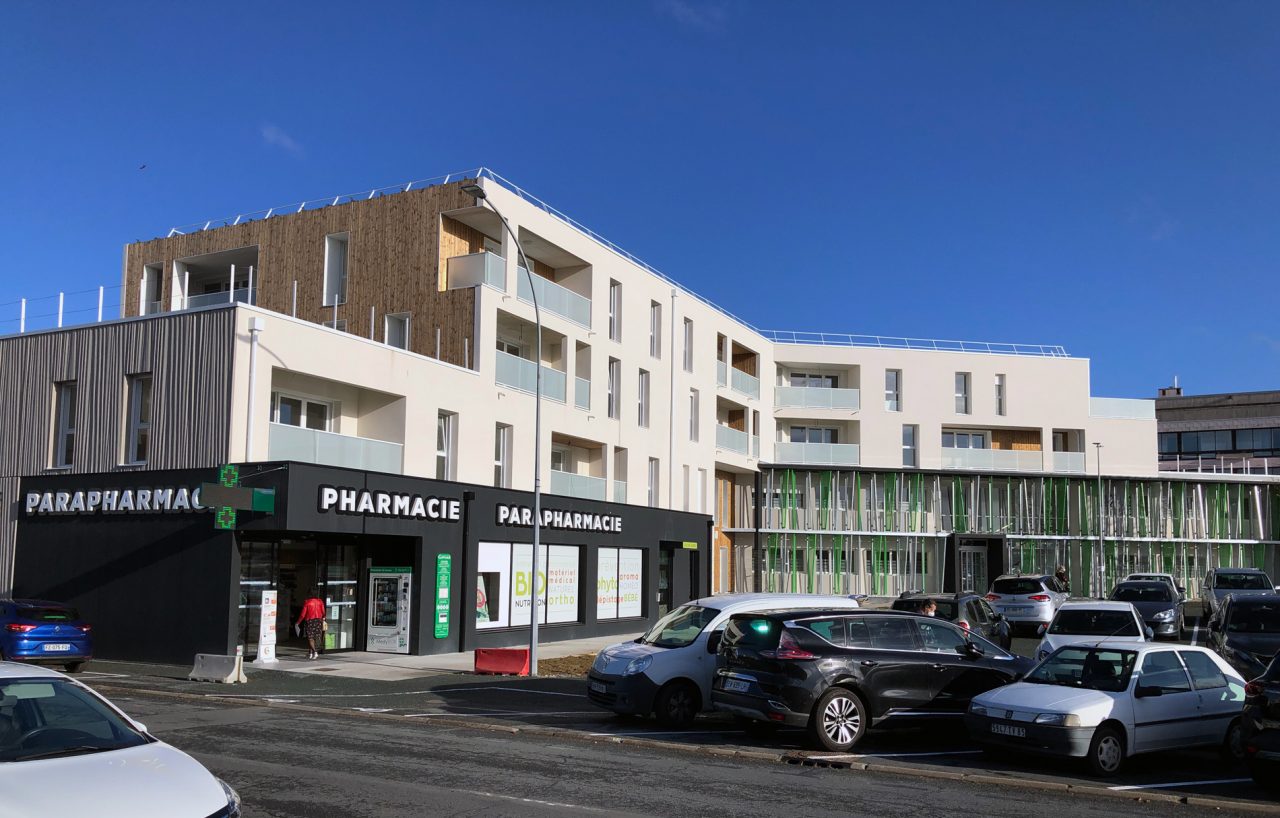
{"x": 522, "y": 517}
{"x": 377, "y": 503}
{"x": 136, "y": 500}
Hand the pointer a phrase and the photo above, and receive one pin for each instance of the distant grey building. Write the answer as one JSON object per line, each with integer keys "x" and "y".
{"x": 1230, "y": 433}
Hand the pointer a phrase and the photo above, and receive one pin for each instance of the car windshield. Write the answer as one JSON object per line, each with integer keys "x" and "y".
{"x": 1242, "y": 582}
{"x": 1092, "y": 668}
{"x": 1254, "y": 619}
{"x": 49, "y": 718}
{"x": 1094, "y": 622}
{"x": 680, "y": 627}
{"x": 1023, "y": 585}
{"x": 1154, "y": 592}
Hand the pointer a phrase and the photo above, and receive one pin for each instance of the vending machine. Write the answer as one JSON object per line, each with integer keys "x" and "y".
{"x": 389, "y": 610}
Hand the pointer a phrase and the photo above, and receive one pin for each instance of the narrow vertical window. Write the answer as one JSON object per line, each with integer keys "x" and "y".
{"x": 999, "y": 394}
{"x": 893, "y": 390}
{"x": 653, "y": 482}
{"x": 335, "y": 269}
{"x": 150, "y": 295}
{"x": 615, "y": 385}
{"x": 642, "y": 414}
{"x": 687, "y": 492}
{"x": 396, "y": 330}
{"x": 446, "y": 423}
{"x": 688, "y": 345}
{"x": 502, "y": 456}
{"x": 909, "y": 446}
{"x": 693, "y": 415}
{"x": 615, "y": 311}
{"x": 64, "y": 413}
{"x": 138, "y": 420}
{"x": 962, "y": 393}
{"x": 655, "y": 329}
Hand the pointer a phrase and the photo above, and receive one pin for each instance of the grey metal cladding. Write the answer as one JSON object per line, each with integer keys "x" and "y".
{"x": 189, "y": 356}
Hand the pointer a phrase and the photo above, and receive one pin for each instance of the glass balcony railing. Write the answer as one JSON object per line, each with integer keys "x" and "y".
{"x": 732, "y": 440}
{"x": 554, "y": 298}
{"x": 816, "y": 454}
{"x": 1068, "y": 462}
{"x": 808, "y": 397}
{"x": 722, "y": 373}
{"x": 521, "y": 373}
{"x": 578, "y": 485}
{"x": 740, "y": 381}
{"x": 619, "y": 491}
{"x": 582, "y": 393}
{"x": 303, "y": 445}
{"x": 478, "y": 268}
{"x": 242, "y": 295}
{"x": 755, "y": 446}
{"x": 1122, "y": 408}
{"x": 993, "y": 459}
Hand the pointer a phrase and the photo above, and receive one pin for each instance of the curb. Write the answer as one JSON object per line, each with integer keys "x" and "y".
{"x": 788, "y": 757}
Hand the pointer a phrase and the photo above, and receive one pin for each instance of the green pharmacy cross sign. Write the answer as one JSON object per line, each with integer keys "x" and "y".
{"x": 227, "y": 495}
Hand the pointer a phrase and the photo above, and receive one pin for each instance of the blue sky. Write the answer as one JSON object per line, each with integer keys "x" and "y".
{"x": 1101, "y": 175}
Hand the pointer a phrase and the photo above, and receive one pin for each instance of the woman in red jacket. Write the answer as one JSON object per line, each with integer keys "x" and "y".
{"x": 312, "y": 622}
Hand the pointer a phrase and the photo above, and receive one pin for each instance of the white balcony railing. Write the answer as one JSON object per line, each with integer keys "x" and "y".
{"x": 578, "y": 485}
{"x": 993, "y": 459}
{"x": 732, "y": 440}
{"x": 521, "y": 373}
{"x": 582, "y": 393}
{"x": 477, "y": 268}
{"x": 810, "y": 397}
{"x": 285, "y": 442}
{"x": 816, "y": 454}
{"x": 243, "y": 295}
{"x": 1122, "y": 408}
{"x": 740, "y": 381}
{"x": 554, "y": 298}
{"x": 619, "y": 491}
{"x": 722, "y": 373}
{"x": 1068, "y": 462}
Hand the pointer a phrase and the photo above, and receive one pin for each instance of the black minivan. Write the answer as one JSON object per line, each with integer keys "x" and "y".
{"x": 839, "y": 672}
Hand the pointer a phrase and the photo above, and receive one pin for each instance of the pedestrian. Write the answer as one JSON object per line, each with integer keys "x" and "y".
{"x": 1061, "y": 575}
{"x": 929, "y": 607}
{"x": 311, "y": 622}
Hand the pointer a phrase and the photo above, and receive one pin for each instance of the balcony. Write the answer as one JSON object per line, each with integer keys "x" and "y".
{"x": 740, "y": 381}
{"x": 722, "y": 373}
{"x": 733, "y": 440}
{"x": 554, "y": 298}
{"x": 809, "y": 397}
{"x": 285, "y": 442}
{"x": 242, "y": 295}
{"x": 582, "y": 393}
{"x": 993, "y": 459}
{"x": 816, "y": 454}
{"x": 477, "y": 268}
{"x": 619, "y": 491}
{"x": 1068, "y": 462}
{"x": 578, "y": 485}
{"x": 1122, "y": 408}
{"x": 521, "y": 373}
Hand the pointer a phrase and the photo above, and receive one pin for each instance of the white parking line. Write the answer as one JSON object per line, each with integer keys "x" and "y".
{"x": 672, "y": 733}
{"x": 1177, "y": 784}
{"x": 515, "y": 689}
{"x": 1195, "y": 634}
{"x": 393, "y": 693}
{"x": 507, "y": 713}
{"x": 104, "y": 675}
{"x": 893, "y": 755}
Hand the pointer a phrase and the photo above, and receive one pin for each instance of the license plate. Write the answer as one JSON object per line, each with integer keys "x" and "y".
{"x": 1017, "y": 610}
{"x": 598, "y": 687}
{"x": 1009, "y": 730}
{"x": 736, "y": 685}
{"x": 52, "y": 647}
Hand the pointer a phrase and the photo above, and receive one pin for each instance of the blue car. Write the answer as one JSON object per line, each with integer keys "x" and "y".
{"x": 34, "y": 630}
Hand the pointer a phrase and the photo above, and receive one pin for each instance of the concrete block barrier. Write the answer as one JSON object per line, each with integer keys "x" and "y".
{"x": 212, "y": 667}
{"x": 507, "y": 661}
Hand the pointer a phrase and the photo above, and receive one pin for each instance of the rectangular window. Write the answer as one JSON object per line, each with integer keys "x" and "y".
{"x": 687, "y": 487}
{"x": 909, "y": 434}
{"x": 502, "y": 585}
{"x": 335, "y": 269}
{"x": 1169, "y": 442}
{"x": 814, "y": 434}
{"x": 999, "y": 394}
{"x": 502, "y": 456}
{"x": 642, "y": 414}
{"x": 64, "y": 413}
{"x": 655, "y": 329}
{"x": 615, "y": 386}
{"x": 446, "y": 423}
{"x": 295, "y": 411}
{"x": 618, "y": 582}
{"x": 150, "y": 293}
{"x": 893, "y": 390}
{"x": 814, "y": 381}
{"x": 396, "y": 330}
{"x": 653, "y": 482}
{"x": 688, "y": 345}
{"x": 693, "y": 415}
{"x": 615, "y": 311}
{"x": 701, "y": 507}
{"x": 138, "y": 421}
{"x": 962, "y": 393}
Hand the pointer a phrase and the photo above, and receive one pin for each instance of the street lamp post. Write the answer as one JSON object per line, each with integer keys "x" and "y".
{"x": 1098, "y": 571}
{"x": 477, "y": 191}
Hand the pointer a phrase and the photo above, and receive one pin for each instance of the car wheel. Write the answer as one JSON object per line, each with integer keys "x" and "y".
{"x": 1106, "y": 751}
{"x": 839, "y": 719}
{"x": 677, "y": 704}
{"x": 73, "y": 667}
{"x": 1233, "y": 743}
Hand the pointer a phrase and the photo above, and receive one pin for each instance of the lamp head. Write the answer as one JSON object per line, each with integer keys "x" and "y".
{"x": 474, "y": 189}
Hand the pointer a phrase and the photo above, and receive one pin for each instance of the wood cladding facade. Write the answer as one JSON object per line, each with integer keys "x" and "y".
{"x": 395, "y": 248}
{"x": 1020, "y": 440}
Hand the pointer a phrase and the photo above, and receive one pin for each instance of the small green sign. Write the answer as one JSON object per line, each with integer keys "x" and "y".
{"x": 444, "y": 570}
{"x": 691, "y": 546}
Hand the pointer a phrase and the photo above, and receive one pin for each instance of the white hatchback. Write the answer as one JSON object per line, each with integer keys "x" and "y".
{"x": 1092, "y": 622}
{"x": 65, "y": 750}
{"x": 1106, "y": 702}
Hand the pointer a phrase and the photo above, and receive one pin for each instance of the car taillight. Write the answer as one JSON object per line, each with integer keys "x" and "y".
{"x": 788, "y": 648}
{"x": 963, "y": 624}
{"x": 1039, "y": 597}
{"x": 85, "y": 628}
{"x": 992, "y": 597}
{"x": 16, "y": 628}
{"x": 1253, "y": 688}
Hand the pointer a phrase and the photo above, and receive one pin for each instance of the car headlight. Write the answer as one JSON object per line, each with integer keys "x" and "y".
{"x": 1166, "y": 616}
{"x": 637, "y": 666}
{"x": 977, "y": 709}
{"x": 233, "y": 800}
{"x": 602, "y": 659}
{"x": 1059, "y": 719}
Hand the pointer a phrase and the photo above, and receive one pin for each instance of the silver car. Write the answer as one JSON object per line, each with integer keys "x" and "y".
{"x": 1027, "y": 601}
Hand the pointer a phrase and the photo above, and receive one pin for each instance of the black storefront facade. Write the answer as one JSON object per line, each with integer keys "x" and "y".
{"x": 406, "y": 565}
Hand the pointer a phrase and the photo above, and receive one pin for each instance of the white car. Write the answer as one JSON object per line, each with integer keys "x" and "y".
{"x": 1092, "y": 622}
{"x": 65, "y": 750}
{"x": 669, "y": 670}
{"x": 1106, "y": 702}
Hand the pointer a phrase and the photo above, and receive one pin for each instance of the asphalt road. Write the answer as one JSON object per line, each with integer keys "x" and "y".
{"x": 291, "y": 764}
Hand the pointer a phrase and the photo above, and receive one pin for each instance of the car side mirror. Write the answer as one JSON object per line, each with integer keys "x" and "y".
{"x": 142, "y": 728}
{"x": 971, "y": 650}
{"x": 1150, "y": 633}
{"x": 1278, "y": 587}
{"x": 1041, "y": 629}
{"x": 1143, "y": 692}
{"x": 713, "y": 641}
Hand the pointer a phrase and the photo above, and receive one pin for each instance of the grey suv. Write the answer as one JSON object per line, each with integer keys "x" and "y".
{"x": 1027, "y": 601}
{"x": 1236, "y": 582}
